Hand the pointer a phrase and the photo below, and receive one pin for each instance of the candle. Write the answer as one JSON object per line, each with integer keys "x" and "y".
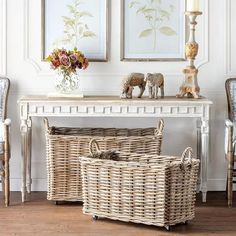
{"x": 193, "y": 5}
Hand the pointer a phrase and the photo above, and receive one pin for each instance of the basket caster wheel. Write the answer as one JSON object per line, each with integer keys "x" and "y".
{"x": 167, "y": 228}
{"x": 95, "y": 217}
{"x": 56, "y": 203}
{"x": 186, "y": 222}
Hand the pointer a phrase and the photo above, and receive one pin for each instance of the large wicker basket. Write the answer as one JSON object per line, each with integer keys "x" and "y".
{"x": 65, "y": 145}
{"x": 149, "y": 189}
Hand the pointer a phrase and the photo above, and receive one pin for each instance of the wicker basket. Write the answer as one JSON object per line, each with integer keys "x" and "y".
{"x": 148, "y": 189}
{"x": 65, "y": 145}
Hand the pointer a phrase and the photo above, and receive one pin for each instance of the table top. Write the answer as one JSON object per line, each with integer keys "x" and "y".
{"x": 111, "y": 99}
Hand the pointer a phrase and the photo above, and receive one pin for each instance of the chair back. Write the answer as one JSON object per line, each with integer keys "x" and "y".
{"x": 4, "y": 90}
{"x": 230, "y": 86}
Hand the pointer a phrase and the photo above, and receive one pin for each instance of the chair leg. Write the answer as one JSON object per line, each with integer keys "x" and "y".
{"x": 227, "y": 188}
{"x": 230, "y": 189}
{"x": 3, "y": 186}
{"x": 7, "y": 181}
{"x": 230, "y": 181}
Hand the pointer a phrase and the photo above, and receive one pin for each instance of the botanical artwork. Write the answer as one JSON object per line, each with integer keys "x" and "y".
{"x": 156, "y": 16}
{"x": 76, "y": 24}
{"x": 153, "y": 29}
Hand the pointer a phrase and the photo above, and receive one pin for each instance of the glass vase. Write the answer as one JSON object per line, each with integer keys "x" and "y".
{"x": 67, "y": 84}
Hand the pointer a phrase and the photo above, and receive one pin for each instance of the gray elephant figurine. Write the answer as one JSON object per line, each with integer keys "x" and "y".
{"x": 129, "y": 82}
{"x": 154, "y": 82}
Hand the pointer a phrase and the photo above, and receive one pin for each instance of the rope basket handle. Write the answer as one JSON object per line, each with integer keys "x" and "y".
{"x": 46, "y": 124}
{"x": 160, "y": 127}
{"x": 187, "y": 153}
{"x": 94, "y": 143}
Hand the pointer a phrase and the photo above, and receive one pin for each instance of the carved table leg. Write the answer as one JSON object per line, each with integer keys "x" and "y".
{"x": 204, "y": 156}
{"x": 199, "y": 152}
{"x": 29, "y": 143}
{"x": 24, "y": 145}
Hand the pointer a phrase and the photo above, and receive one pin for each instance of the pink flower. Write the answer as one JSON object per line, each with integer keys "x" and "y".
{"x": 86, "y": 64}
{"x": 65, "y": 60}
{"x": 55, "y": 64}
{"x": 73, "y": 58}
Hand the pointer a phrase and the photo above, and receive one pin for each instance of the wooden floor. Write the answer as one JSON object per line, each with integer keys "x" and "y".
{"x": 41, "y": 217}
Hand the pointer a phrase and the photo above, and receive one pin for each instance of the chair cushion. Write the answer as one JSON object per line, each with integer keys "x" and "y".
{"x": 1, "y": 138}
{"x": 1, "y": 148}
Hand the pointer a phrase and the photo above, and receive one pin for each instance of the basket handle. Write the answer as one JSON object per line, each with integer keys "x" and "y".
{"x": 46, "y": 123}
{"x": 160, "y": 127}
{"x": 187, "y": 153}
{"x": 95, "y": 143}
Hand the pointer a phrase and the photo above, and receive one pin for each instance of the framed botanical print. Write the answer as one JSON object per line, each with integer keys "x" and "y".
{"x": 76, "y": 23}
{"x": 153, "y": 30}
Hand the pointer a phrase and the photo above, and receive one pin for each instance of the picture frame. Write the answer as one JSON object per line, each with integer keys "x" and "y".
{"x": 91, "y": 35}
{"x": 139, "y": 40}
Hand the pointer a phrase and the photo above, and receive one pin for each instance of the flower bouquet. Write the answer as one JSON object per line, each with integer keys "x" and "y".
{"x": 67, "y": 62}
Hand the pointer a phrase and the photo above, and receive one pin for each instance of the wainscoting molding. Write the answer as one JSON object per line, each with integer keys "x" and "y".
{"x": 228, "y": 69}
{"x": 228, "y": 39}
{"x": 27, "y": 57}
{"x": 3, "y": 37}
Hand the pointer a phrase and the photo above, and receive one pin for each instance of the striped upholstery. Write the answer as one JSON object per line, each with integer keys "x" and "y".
{"x": 4, "y": 88}
{"x": 4, "y": 140}
{"x": 230, "y": 128}
{"x": 231, "y": 97}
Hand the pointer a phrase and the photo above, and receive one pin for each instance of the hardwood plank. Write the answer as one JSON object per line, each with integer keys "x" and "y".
{"x": 41, "y": 217}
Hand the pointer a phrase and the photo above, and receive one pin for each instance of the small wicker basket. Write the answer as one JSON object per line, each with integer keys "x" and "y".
{"x": 64, "y": 145}
{"x": 148, "y": 189}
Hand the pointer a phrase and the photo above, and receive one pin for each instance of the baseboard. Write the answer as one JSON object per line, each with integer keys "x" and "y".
{"x": 41, "y": 185}
{"x": 216, "y": 184}
{"x": 37, "y": 185}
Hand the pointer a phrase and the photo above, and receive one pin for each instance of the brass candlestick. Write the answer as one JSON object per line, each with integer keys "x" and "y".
{"x": 190, "y": 86}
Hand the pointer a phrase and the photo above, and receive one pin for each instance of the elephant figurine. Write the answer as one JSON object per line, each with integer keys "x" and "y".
{"x": 129, "y": 82}
{"x": 154, "y": 82}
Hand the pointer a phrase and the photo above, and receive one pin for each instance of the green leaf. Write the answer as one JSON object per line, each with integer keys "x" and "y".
{"x": 66, "y": 18}
{"x": 145, "y": 33}
{"x": 132, "y": 4}
{"x": 166, "y": 30}
{"x": 89, "y": 34}
{"x": 77, "y": 3}
{"x": 84, "y": 13}
{"x": 149, "y": 17}
{"x": 71, "y": 8}
{"x": 148, "y": 10}
{"x": 141, "y": 9}
{"x": 165, "y": 14}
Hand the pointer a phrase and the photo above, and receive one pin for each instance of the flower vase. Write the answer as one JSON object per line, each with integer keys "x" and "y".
{"x": 67, "y": 85}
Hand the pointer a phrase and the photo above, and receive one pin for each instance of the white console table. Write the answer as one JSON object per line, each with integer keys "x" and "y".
{"x": 43, "y": 106}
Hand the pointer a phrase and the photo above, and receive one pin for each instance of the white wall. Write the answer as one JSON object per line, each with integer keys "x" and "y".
{"x": 29, "y": 75}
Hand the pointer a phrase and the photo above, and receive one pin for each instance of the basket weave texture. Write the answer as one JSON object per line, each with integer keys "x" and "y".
{"x": 148, "y": 189}
{"x": 64, "y": 145}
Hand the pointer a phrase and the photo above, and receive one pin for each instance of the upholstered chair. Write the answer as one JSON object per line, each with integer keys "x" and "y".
{"x": 230, "y": 137}
{"x": 4, "y": 139}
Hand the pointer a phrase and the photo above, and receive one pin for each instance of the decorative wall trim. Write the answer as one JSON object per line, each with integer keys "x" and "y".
{"x": 27, "y": 57}
{"x": 38, "y": 184}
{"x": 228, "y": 41}
{"x": 3, "y": 37}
